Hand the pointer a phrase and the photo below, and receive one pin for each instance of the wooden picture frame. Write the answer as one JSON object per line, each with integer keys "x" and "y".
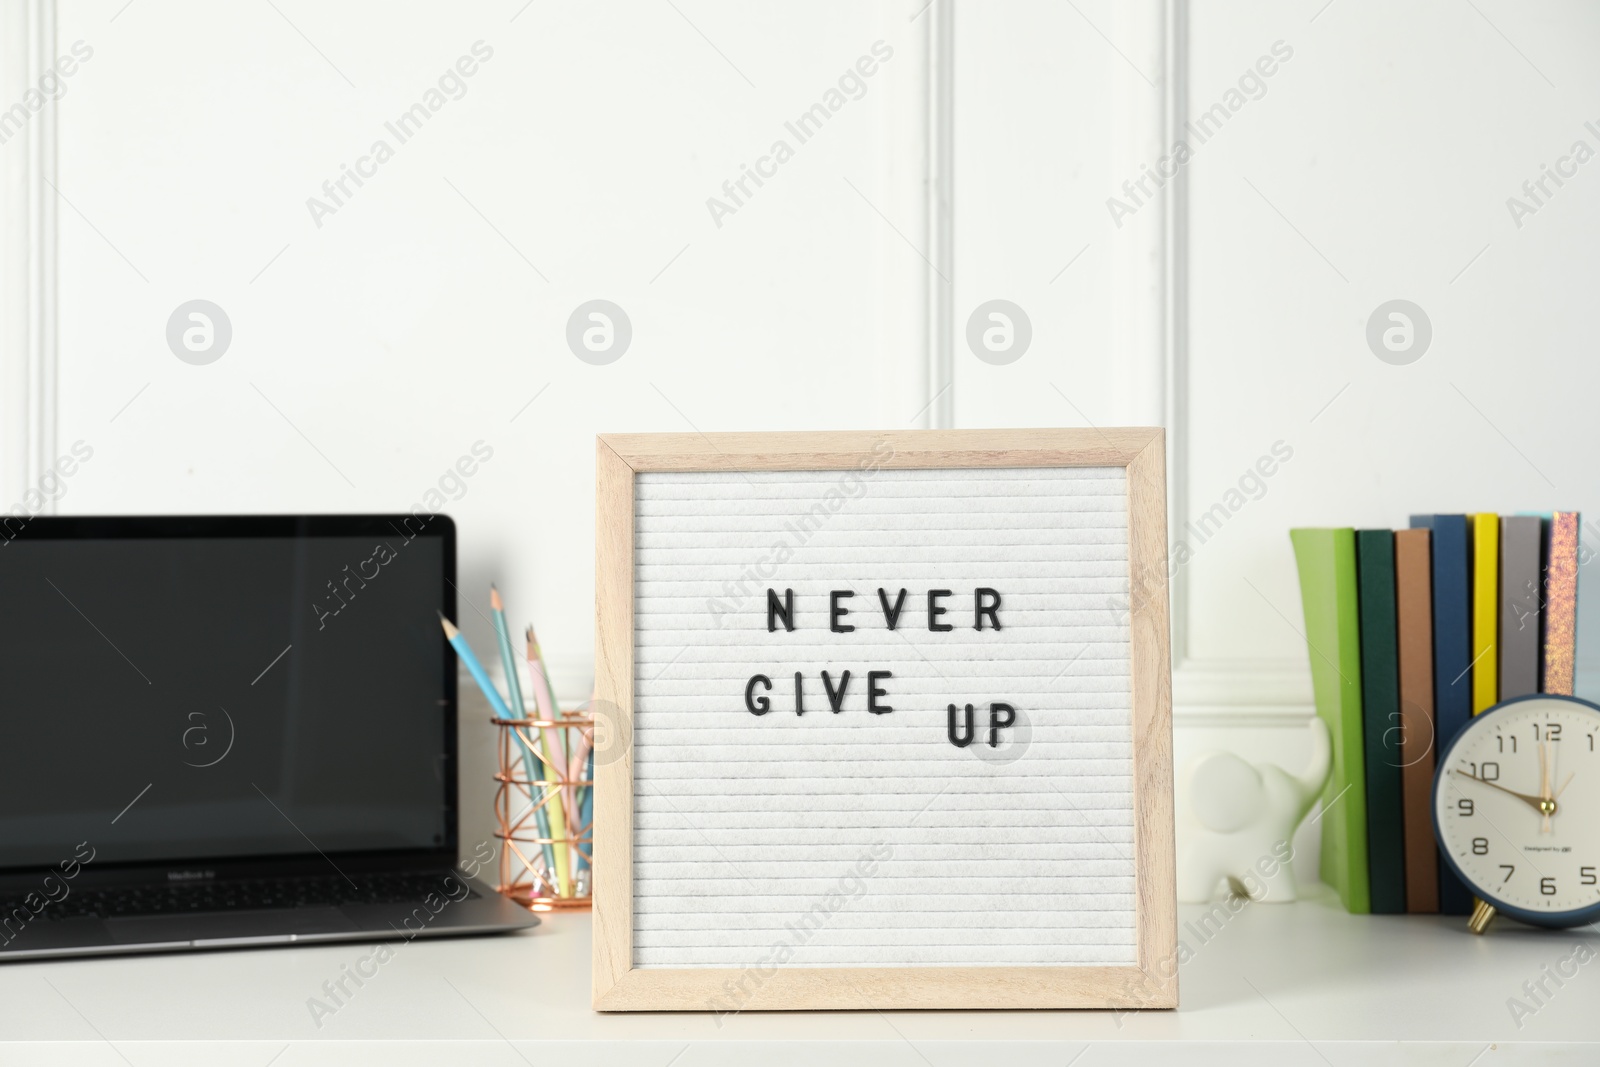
{"x": 619, "y": 985}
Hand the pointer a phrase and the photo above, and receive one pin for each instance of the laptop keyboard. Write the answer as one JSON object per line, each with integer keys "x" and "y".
{"x": 251, "y": 894}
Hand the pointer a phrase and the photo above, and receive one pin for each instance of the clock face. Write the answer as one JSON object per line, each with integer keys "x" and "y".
{"x": 1517, "y": 808}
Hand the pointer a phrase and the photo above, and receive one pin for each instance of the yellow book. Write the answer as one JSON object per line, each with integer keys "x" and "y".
{"x": 1485, "y": 610}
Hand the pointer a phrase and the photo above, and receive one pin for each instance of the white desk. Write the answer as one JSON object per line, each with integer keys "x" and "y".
{"x": 1288, "y": 984}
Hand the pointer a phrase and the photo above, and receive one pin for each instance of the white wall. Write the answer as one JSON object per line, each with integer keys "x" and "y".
{"x": 374, "y": 345}
{"x": 426, "y": 312}
{"x": 1391, "y": 142}
{"x": 371, "y": 351}
{"x": 1377, "y": 166}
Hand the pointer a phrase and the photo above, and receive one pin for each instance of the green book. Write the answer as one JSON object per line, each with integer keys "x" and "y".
{"x": 1380, "y": 713}
{"x": 1327, "y": 563}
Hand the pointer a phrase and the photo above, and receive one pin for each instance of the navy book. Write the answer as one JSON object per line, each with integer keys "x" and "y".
{"x": 1452, "y": 658}
{"x": 1380, "y": 712}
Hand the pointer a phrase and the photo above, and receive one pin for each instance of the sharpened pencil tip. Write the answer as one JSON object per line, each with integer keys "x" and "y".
{"x": 494, "y": 599}
{"x": 449, "y": 630}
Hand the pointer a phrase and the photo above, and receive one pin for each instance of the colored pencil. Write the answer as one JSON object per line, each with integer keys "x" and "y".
{"x": 508, "y": 663}
{"x": 586, "y": 808}
{"x": 553, "y": 754}
{"x": 542, "y": 692}
{"x": 583, "y": 755}
{"x": 508, "y": 659}
{"x": 530, "y": 763}
{"x": 541, "y": 678}
{"x": 474, "y": 668}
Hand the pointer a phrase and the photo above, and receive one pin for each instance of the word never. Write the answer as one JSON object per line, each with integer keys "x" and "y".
{"x": 986, "y": 604}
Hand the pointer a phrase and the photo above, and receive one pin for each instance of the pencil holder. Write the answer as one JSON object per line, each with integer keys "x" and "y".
{"x": 543, "y": 800}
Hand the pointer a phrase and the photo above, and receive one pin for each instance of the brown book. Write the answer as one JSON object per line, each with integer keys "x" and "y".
{"x": 1414, "y": 611}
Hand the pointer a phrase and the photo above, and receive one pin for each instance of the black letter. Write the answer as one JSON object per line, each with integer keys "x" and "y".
{"x": 836, "y": 700}
{"x": 750, "y": 703}
{"x": 980, "y": 609}
{"x": 891, "y": 617}
{"x": 934, "y": 611}
{"x": 960, "y": 742}
{"x": 873, "y": 692}
{"x": 799, "y": 703}
{"x": 996, "y": 724}
{"x": 786, "y": 611}
{"x": 837, "y": 612}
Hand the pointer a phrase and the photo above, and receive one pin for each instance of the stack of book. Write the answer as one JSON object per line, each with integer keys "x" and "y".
{"x": 1411, "y": 633}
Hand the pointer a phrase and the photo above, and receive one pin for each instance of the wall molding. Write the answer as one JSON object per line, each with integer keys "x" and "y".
{"x": 1142, "y": 248}
{"x": 1205, "y": 692}
{"x": 939, "y": 212}
{"x": 917, "y": 318}
{"x": 1176, "y": 338}
{"x": 28, "y": 256}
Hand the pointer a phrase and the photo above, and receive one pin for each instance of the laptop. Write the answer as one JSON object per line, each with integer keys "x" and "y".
{"x": 228, "y": 731}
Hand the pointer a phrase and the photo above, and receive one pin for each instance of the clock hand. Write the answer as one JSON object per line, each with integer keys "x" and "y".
{"x": 1544, "y": 787}
{"x": 1557, "y": 793}
{"x": 1536, "y": 803}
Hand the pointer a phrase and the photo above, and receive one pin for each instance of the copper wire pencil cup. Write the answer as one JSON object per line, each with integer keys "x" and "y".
{"x": 522, "y": 804}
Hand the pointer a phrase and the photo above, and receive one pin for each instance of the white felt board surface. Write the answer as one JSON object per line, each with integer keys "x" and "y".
{"x": 855, "y": 839}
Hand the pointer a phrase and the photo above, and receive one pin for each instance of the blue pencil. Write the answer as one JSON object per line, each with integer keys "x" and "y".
{"x": 586, "y": 810}
{"x": 530, "y": 763}
{"x": 497, "y": 703}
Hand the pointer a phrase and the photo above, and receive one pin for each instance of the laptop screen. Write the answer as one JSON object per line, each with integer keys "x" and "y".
{"x": 183, "y": 690}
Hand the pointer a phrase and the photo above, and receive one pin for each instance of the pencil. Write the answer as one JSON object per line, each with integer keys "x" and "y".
{"x": 530, "y": 765}
{"x": 586, "y": 810}
{"x": 474, "y": 668}
{"x": 584, "y": 749}
{"x": 541, "y": 678}
{"x": 553, "y": 754}
{"x": 548, "y": 709}
{"x": 582, "y": 755}
{"x": 508, "y": 663}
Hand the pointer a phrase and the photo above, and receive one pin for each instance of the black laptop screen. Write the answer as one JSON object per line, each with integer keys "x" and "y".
{"x": 184, "y": 698}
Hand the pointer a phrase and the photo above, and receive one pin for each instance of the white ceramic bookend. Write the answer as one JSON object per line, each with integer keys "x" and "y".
{"x": 1236, "y": 822}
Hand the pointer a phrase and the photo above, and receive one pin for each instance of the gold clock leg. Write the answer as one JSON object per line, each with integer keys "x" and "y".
{"x": 1481, "y": 914}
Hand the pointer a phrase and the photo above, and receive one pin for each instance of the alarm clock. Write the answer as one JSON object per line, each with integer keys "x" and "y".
{"x": 1516, "y": 810}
